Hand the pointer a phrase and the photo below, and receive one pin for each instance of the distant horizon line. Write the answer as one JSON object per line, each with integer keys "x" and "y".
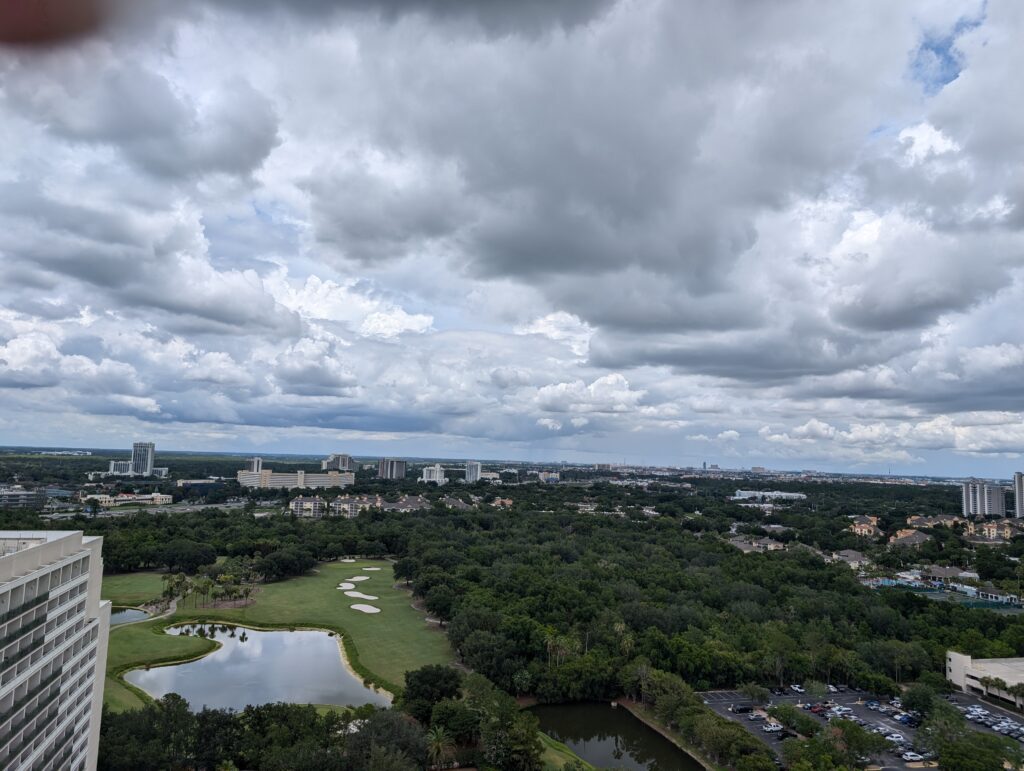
{"x": 321, "y": 456}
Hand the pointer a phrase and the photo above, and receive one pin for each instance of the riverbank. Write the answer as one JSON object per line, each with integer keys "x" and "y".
{"x": 645, "y": 716}
{"x": 379, "y": 648}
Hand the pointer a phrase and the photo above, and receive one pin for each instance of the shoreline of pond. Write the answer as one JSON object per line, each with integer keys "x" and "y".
{"x": 217, "y": 645}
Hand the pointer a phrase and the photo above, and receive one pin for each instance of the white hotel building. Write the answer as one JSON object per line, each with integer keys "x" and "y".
{"x": 53, "y": 649}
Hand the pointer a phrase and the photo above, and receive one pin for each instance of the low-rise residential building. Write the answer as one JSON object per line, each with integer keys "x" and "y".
{"x": 937, "y": 520}
{"x": 549, "y": 477}
{"x": 313, "y": 506}
{"x": 349, "y": 506}
{"x": 851, "y": 557}
{"x": 908, "y": 539}
{"x": 865, "y": 526}
{"x": 456, "y": 503}
{"x": 502, "y": 503}
{"x": 749, "y": 543}
{"x": 995, "y": 529}
{"x": 945, "y": 575}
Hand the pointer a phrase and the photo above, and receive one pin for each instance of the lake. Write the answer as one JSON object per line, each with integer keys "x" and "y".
{"x": 610, "y": 737}
{"x": 255, "y": 667}
{"x": 126, "y": 615}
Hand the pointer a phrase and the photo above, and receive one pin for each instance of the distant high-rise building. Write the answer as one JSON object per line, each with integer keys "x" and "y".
{"x": 143, "y": 455}
{"x": 472, "y": 471}
{"x": 254, "y": 465}
{"x": 982, "y": 499}
{"x": 390, "y": 468}
{"x": 434, "y": 473}
{"x": 54, "y": 630}
{"x": 336, "y": 462}
{"x": 120, "y": 468}
{"x": 1018, "y": 494}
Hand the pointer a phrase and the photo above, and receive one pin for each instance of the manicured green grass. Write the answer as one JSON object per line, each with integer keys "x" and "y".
{"x": 386, "y": 644}
{"x": 132, "y": 588}
{"x": 557, "y": 754}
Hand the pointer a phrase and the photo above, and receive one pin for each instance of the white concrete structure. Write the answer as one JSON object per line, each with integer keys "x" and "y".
{"x": 967, "y": 674}
{"x": 53, "y": 638}
{"x": 143, "y": 455}
{"x": 291, "y": 480}
{"x": 120, "y": 468}
{"x": 255, "y": 465}
{"x": 983, "y": 499}
{"x": 434, "y": 473}
{"x": 472, "y": 471}
{"x": 390, "y": 468}
{"x": 124, "y": 499}
{"x": 337, "y": 462}
{"x": 769, "y": 495}
{"x": 1018, "y": 494}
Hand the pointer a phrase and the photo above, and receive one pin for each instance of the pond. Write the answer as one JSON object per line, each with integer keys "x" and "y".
{"x": 610, "y": 737}
{"x": 254, "y": 667}
{"x": 126, "y": 615}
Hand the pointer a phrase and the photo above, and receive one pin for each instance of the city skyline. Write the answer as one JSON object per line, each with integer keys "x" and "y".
{"x": 791, "y": 242}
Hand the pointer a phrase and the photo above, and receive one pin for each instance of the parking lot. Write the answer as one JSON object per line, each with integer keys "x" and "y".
{"x": 721, "y": 701}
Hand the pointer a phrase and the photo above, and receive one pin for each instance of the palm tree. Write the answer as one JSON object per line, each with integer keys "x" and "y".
{"x": 440, "y": 746}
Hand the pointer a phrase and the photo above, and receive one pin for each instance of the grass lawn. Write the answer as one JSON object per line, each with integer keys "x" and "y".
{"x": 557, "y": 754}
{"x": 387, "y": 643}
{"x": 132, "y": 588}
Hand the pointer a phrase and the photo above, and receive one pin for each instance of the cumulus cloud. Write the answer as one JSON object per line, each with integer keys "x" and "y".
{"x": 795, "y": 231}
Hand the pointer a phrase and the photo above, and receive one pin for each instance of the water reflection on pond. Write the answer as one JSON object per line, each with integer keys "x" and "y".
{"x": 255, "y": 667}
{"x": 610, "y": 737}
{"x": 126, "y": 615}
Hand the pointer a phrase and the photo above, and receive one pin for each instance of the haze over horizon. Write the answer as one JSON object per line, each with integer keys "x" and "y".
{"x": 783, "y": 234}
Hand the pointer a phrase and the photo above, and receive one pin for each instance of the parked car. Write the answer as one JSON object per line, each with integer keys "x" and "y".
{"x": 871, "y": 704}
{"x": 911, "y": 757}
{"x": 755, "y": 716}
{"x": 796, "y": 688}
{"x": 771, "y": 728}
{"x": 832, "y": 689}
{"x": 740, "y": 709}
{"x": 894, "y": 738}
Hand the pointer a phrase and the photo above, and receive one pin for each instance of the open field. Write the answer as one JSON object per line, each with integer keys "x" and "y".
{"x": 132, "y": 588}
{"x": 380, "y": 647}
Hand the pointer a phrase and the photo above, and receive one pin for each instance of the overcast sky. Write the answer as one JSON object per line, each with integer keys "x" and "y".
{"x": 784, "y": 234}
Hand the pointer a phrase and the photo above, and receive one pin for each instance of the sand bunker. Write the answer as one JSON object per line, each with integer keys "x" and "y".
{"x": 344, "y": 586}
{"x": 346, "y": 560}
{"x": 371, "y": 568}
{"x": 366, "y": 608}
{"x": 361, "y": 596}
{"x": 359, "y": 578}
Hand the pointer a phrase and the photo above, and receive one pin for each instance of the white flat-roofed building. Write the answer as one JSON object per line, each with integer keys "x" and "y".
{"x": 472, "y": 471}
{"x": 435, "y": 474}
{"x": 981, "y": 676}
{"x": 768, "y": 495}
{"x": 337, "y": 462}
{"x": 120, "y": 468}
{"x": 983, "y": 499}
{"x": 53, "y": 642}
{"x": 292, "y": 480}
